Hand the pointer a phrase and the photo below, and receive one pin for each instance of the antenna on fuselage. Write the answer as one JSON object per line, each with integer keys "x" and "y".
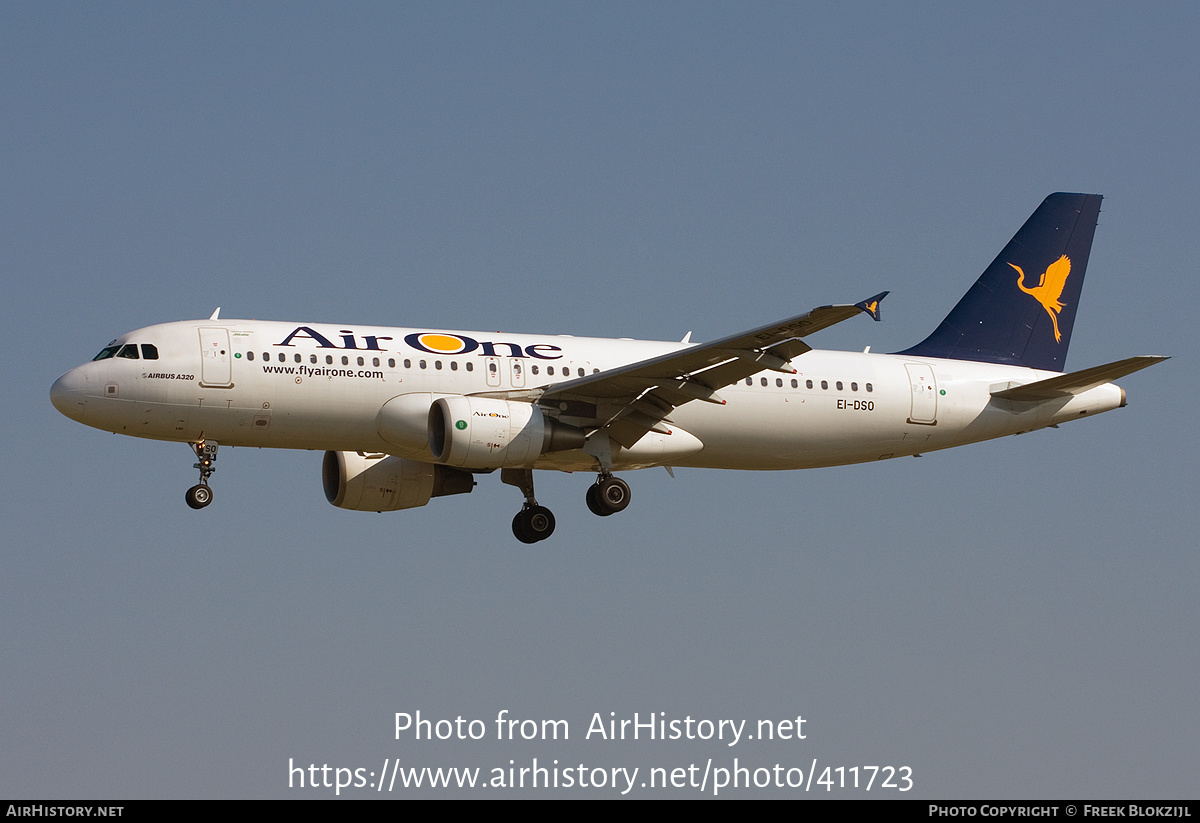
{"x": 215, "y": 314}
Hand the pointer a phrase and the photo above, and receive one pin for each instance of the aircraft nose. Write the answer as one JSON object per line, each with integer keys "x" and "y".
{"x": 69, "y": 393}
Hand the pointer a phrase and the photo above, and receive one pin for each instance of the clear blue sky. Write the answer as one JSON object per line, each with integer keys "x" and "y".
{"x": 1013, "y": 619}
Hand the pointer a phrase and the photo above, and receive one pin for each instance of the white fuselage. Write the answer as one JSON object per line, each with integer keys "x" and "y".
{"x": 321, "y": 386}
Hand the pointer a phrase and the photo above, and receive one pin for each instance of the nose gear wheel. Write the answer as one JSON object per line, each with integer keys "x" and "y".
{"x": 201, "y": 494}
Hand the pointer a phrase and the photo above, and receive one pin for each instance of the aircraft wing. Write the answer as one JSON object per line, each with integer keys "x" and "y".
{"x": 631, "y": 400}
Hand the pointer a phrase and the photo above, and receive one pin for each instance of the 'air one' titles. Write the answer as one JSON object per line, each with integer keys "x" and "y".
{"x": 428, "y": 342}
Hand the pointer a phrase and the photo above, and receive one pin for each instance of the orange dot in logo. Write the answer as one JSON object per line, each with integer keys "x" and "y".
{"x": 443, "y": 343}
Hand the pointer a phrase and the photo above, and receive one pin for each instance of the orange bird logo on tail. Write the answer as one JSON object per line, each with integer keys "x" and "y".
{"x": 1049, "y": 289}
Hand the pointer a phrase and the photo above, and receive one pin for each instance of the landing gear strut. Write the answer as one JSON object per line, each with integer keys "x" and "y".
{"x": 533, "y": 522}
{"x": 201, "y": 495}
{"x": 608, "y": 495}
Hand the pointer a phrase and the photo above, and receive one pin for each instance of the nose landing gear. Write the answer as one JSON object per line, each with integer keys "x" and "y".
{"x": 198, "y": 496}
{"x": 201, "y": 495}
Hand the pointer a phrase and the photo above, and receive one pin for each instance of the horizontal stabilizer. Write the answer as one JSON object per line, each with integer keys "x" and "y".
{"x": 1079, "y": 381}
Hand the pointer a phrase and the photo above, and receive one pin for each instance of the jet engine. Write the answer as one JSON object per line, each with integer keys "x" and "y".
{"x": 383, "y": 483}
{"x": 484, "y": 433}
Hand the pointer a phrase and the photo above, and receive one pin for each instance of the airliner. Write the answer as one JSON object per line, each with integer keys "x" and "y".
{"x": 405, "y": 415}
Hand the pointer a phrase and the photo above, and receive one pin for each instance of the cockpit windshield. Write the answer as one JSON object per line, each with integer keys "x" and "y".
{"x": 128, "y": 351}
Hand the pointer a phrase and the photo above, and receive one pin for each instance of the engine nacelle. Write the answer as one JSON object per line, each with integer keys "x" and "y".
{"x": 483, "y": 433}
{"x": 383, "y": 483}
{"x": 404, "y": 423}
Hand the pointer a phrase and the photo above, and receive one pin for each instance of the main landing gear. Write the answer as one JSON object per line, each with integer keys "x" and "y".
{"x": 201, "y": 495}
{"x": 533, "y": 522}
{"x": 608, "y": 495}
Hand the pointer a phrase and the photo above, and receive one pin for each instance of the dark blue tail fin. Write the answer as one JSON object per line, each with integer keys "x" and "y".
{"x": 1022, "y": 308}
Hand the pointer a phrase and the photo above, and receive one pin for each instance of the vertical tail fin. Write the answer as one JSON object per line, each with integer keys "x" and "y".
{"x": 1022, "y": 308}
